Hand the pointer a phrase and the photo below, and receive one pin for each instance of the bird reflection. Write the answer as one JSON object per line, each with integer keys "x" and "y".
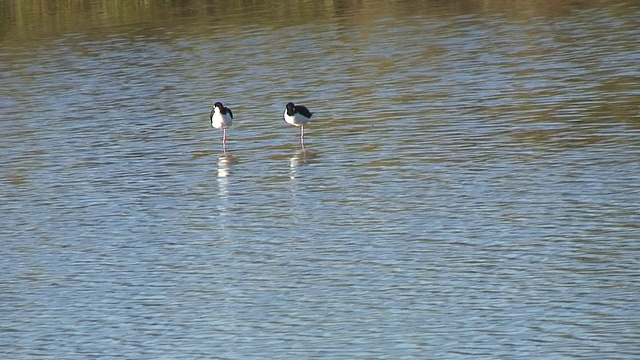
{"x": 224, "y": 164}
{"x": 221, "y": 217}
{"x": 300, "y": 158}
{"x": 224, "y": 170}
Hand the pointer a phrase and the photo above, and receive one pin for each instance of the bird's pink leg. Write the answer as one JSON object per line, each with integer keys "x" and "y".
{"x": 301, "y": 131}
{"x": 224, "y": 136}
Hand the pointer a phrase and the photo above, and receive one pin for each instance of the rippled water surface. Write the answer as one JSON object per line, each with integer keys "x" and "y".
{"x": 468, "y": 186}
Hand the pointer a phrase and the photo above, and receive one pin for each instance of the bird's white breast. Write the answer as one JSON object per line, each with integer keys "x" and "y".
{"x": 219, "y": 121}
{"x": 296, "y": 119}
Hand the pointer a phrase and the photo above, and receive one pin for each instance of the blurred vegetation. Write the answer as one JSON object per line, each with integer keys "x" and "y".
{"x": 32, "y": 19}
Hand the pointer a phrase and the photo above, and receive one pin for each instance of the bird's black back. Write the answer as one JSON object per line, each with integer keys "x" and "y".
{"x": 302, "y": 110}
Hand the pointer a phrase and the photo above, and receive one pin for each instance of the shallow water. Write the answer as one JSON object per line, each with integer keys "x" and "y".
{"x": 468, "y": 186}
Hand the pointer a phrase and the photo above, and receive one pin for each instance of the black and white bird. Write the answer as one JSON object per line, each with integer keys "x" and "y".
{"x": 221, "y": 118}
{"x": 297, "y": 115}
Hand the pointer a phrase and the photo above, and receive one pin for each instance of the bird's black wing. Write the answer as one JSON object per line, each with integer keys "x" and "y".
{"x": 230, "y": 113}
{"x": 302, "y": 110}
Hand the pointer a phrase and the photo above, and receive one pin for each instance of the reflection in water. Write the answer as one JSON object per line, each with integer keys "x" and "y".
{"x": 224, "y": 164}
{"x": 61, "y": 16}
{"x": 300, "y": 158}
{"x": 298, "y": 205}
{"x": 224, "y": 170}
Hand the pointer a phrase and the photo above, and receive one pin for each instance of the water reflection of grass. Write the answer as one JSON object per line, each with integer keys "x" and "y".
{"x": 31, "y": 19}
{"x": 28, "y": 19}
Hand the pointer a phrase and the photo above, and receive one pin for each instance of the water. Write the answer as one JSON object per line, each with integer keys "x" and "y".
{"x": 468, "y": 187}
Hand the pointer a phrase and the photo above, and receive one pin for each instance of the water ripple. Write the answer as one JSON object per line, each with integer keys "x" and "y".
{"x": 467, "y": 188}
